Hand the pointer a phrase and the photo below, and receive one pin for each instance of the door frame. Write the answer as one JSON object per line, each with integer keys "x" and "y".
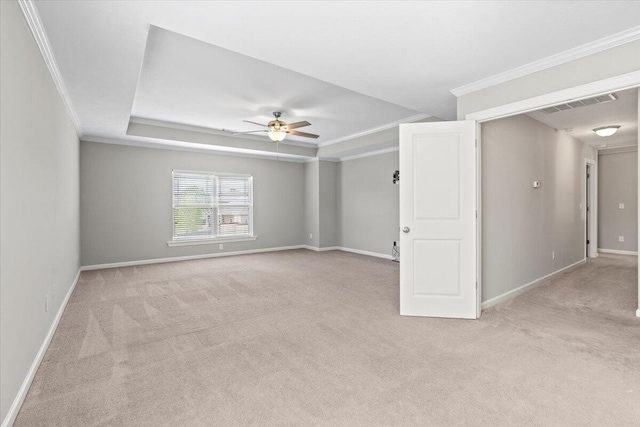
{"x": 596, "y": 88}
{"x": 591, "y": 251}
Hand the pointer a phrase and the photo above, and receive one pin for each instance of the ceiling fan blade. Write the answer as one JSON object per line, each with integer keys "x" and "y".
{"x": 298, "y": 125}
{"x": 259, "y": 124}
{"x": 303, "y": 134}
{"x": 251, "y": 131}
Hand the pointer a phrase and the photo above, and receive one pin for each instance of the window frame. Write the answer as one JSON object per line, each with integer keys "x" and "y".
{"x": 188, "y": 241}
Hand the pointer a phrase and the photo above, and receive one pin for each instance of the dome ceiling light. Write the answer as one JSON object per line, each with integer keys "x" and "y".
{"x": 606, "y": 130}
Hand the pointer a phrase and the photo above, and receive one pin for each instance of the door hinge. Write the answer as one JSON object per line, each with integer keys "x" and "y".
{"x": 476, "y": 142}
{"x": 587, "y": 241}
{"x": 476, "y": 285}
{"x": 476, "y": 214}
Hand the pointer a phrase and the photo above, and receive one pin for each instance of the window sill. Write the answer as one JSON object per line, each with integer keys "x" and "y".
{"x": 211, "y": 241}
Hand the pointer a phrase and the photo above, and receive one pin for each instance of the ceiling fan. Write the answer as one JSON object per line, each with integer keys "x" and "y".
{"x": 278, "y": 130}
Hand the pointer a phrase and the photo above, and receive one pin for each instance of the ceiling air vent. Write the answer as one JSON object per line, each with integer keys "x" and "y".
{"x": 582, "y": 103}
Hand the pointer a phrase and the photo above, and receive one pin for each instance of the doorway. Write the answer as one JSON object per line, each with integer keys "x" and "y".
{"x": 588, "y": 186}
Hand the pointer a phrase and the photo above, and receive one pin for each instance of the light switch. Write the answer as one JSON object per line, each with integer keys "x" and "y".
{"x": 620, "y": 205}
{"x": 620, "y": 238}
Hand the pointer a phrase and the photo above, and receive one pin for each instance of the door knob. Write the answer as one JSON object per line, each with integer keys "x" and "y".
{"x": 406, "y": 229}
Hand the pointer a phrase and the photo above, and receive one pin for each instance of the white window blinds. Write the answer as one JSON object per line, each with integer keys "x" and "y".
{"x": 210, "y": 205}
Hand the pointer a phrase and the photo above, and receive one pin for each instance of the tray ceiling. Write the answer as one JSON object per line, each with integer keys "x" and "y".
{"x": 190, "y": 82}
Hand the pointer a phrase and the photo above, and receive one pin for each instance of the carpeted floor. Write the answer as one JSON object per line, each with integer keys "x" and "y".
{"x": 306, "y": 338}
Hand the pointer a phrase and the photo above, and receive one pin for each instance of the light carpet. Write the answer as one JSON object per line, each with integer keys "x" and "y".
{"x": 306, "y": 338}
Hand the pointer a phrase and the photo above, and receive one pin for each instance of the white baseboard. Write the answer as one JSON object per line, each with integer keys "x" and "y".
{"x": 526, "y": 287}
{"x": 616, "y": 251}
{"x": 222, "y": 254}
{"x": 326, "y": 248}
{"x": 358, "y": 251}
{"x": 341, "y": 248}
{"x": 188, "y": 257}
{"x": 24, "y": 389}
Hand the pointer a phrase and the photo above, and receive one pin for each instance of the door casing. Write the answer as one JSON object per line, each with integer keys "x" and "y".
{"x": 591, "y": 250}
{"x": 600, "y": 87}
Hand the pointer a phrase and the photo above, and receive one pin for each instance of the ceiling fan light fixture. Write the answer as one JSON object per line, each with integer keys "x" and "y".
{"x": 277, "y": 135}
{"x": 606, "y": 130}
{"x": 278, "y": 130}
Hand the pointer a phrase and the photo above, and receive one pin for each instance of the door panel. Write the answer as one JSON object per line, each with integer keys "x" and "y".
{"x": 436, "y": 165}
{"x": 438, "y": 219}
{"x": 440, "y": 275}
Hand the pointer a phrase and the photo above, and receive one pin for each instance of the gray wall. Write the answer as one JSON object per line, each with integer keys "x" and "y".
{"x": 368, "y": 203}
{"x": 521, "y": 226}
{"x": 126, "y": 201}
{"x": 608, "y": 63}
{"x": 328, "y": 193}
{"x": 39, "y": 200}
{"x": 312, "y": 204}
{"x": 618, "y": 183}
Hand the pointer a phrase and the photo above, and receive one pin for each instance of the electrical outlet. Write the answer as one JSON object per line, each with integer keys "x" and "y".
{"x": 553, "y": 255}
{"x": 620, "y": 205}
{"x": 220, "y": 246}
{"x": 620, "y": 238}
{"x": 46, "y": 303}
{"x": 310, "y": 236}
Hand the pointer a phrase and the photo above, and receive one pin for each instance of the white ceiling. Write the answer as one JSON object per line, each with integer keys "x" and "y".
{"x": 406, "y": 53}
{"x": 187, "y": 81}
{"x": 582, "y": 120}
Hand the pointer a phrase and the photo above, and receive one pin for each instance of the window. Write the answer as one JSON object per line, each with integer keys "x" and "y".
{"x": 212, "y": 206}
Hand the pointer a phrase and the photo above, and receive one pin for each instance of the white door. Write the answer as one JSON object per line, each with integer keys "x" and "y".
{"x": 438, "y": 219}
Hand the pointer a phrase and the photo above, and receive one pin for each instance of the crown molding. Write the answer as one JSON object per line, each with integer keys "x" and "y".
{"x": 370, "y": 153}
{"x": 618, "y": 149}
{"x": 354, "y": 156}
{"x": 195, "y": 147}
{"x": 35, "y": 25}
{"x": 322, "y": 159}
{"x": 213, "y": 131}
{"x": 411, "y": 119}
{"x": 563, "y": 96}
{"x": 617, "y": 39}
